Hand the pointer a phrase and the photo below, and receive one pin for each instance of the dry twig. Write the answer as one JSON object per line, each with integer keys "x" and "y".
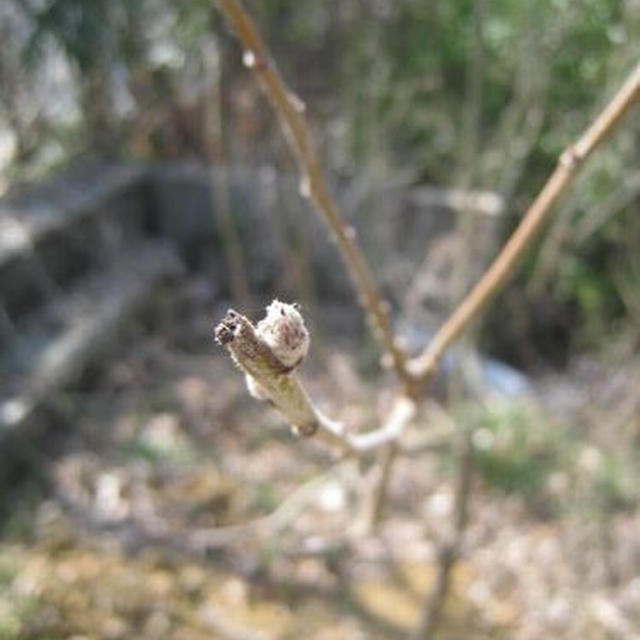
{"x": 504, "y": 264}
{"x": 276, "y": 382}
{"x": 450, "y": 550}
{"x": 290, "y": 110}
{"x": 271, "y": 378}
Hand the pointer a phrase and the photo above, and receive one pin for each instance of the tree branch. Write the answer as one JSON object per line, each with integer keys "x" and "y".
{"x": 276, "y": 382}
{"x": 424, "y": 366}
{"x": 450, "y": 550}
{"x": 290, "y": 110}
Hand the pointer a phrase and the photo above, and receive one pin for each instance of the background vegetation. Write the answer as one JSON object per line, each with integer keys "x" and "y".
{"x": 483, "y": 95}
{"x": 464, "y": 94}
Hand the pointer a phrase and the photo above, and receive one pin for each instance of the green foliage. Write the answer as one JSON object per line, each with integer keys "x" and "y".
{"x": 610, "y": 484}
{"x": 516, "y": 449}
{"x": 84, "y": 28}
{"x": 395, "y": 78}
{"x": 520, "y": 451}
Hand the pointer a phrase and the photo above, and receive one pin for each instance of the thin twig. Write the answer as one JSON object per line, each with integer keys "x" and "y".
{"x": 389, "y": 435}
{"x": 401, "y": 414}
{"x": 270, "y": 380}
{"x": 290, "y": 110}
{"x": 377, "y": 499}
{"x": 284, "y": 390}
{"x": 450, "y": 550}
{"x": 466, "y": 216}
{"x": 424, "y": 366}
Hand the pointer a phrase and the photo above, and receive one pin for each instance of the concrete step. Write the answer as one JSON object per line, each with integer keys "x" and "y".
{"x": 54, "y": 345}
{"x": 56, "y": 231}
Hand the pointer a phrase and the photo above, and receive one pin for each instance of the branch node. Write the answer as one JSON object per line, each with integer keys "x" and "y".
{"x": 571, "y": 159}
{"x": 253, "y": 61}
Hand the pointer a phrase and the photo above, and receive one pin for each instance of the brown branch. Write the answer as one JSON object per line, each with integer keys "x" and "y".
{"x": 424, "y": 366}
{"x": 290, "y": 110}
{"x": 450, "y": 550}
{"x": 377, "y": 498}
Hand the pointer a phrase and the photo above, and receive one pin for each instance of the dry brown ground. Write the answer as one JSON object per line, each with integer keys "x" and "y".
{"x": 167, "y": 444}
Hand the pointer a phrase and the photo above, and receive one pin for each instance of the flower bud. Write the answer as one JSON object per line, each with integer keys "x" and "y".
{"x": 284, "y": 332}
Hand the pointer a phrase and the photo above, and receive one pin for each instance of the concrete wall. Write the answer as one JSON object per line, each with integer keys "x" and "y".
{"x": 285, "y": 244}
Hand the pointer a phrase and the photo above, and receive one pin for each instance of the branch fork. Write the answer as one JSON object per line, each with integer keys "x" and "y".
{"x": 271, "y": 372}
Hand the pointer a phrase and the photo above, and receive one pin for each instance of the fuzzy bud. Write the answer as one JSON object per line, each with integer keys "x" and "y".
{"x": 284, "y": 332}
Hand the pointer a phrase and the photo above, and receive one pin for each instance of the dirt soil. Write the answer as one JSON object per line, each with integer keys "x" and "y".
{"x": 147, "y": 515}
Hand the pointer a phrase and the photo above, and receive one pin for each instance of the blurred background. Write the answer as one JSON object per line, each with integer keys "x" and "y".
{"x": 146, "y": 187}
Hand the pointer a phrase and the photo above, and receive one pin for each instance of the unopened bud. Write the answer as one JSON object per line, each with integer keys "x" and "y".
{"x": 284, "y": 332}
